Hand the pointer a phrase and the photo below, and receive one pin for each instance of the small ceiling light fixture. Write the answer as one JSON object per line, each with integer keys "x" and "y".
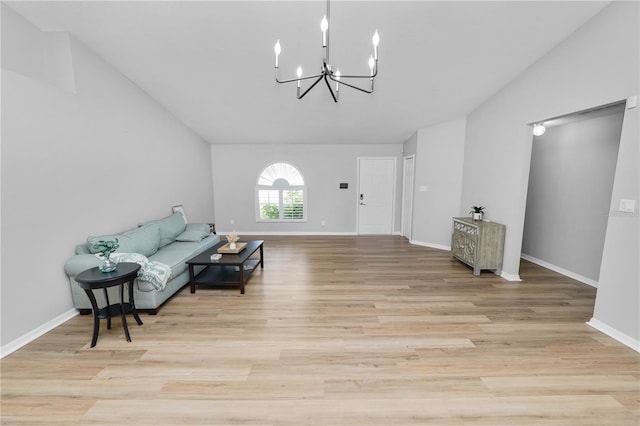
{"x": 329, "y": 72}
{"x": 539, "y": 129}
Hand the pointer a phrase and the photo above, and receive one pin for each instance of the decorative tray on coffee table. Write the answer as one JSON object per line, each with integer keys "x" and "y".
{"x": 225, "y": 249}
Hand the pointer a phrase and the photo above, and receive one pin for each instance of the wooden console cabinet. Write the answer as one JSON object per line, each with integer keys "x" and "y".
{"x": 479, "y": 244}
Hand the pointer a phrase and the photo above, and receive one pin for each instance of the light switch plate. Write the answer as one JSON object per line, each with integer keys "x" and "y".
{"x": 628, "y": 206}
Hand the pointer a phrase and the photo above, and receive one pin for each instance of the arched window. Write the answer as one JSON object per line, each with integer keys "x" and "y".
{"x": 280, "y": 194}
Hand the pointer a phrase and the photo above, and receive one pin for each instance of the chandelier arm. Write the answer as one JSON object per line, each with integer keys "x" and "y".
{"x": 357, "y": 76}
{"x": 355, "y": 87}
{"x": 333, "y": 95}
{"x": 311, "y": 87}
{"x": 298, "y": 79}
{"x": 352, "y": 86}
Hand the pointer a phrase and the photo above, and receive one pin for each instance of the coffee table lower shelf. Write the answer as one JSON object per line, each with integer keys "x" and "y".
{"x": 225, "y": 274}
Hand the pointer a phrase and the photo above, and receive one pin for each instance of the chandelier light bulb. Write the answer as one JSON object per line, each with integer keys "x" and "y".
{"x": 277, "y": 49}
{"x": 299, "y": 74}
{"x": 539, "y": 129}
{"x": 324, "y": 26}
{"x": 376, "y": 41}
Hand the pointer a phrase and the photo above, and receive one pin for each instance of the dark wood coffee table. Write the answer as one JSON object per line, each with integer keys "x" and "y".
{"x": 234, "y": 269}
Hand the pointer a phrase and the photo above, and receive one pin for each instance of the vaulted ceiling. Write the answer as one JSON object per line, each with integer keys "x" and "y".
{"x": 211, "y": 62}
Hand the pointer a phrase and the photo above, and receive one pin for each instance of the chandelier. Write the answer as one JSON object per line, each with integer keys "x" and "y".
{"x": 329, "y": 72}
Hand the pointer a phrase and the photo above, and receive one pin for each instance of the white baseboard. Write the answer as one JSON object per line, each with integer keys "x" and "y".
{"x": 560, "y": 270}
{"x": 431, "y": 245}
{"x": 510, "y": 277}
{"x": 615, "y": 334}
{"x": 241, "y": 233}
{"x": 13, "y": 346}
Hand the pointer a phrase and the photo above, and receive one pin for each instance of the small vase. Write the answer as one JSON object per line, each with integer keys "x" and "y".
{"x": 232, "y": 246}
{"x": 107, "y": 265}
{"x": 478, "y": 216}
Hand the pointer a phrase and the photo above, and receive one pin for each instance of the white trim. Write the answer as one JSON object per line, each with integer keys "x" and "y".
{"x": 250, "y": 233}
{"x": 510, "y": 277}
{"x": 560, "y": 270}
{"x": 13, "y": 346}
{"x": 404, "y": 191}
{"x": 615, "y": 334}
{"x": 431, "y": 245}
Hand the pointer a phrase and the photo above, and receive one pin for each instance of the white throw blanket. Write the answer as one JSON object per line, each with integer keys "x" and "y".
{"x": 151, "y": 271}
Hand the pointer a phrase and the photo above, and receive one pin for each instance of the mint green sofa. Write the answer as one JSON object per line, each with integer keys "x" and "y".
{"x": 170, "y": 241}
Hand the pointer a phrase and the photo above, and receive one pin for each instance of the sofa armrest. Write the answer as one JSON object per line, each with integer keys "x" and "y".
{"x": 79, "y": 263}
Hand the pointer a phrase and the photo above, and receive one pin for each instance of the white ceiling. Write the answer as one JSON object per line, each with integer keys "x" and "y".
{"x": 211, "y": 62}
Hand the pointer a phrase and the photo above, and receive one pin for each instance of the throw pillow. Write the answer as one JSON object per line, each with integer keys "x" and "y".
{"x": 195, "y": 232}
{"x": 146, "y": 239}
{"x": 170, "y": 228}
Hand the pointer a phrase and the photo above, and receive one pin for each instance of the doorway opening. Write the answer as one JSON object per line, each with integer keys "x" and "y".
{"x": 573, "y": 165}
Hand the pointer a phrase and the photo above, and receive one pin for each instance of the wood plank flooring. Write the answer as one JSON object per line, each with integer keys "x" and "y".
{"x": 340, "y": 331}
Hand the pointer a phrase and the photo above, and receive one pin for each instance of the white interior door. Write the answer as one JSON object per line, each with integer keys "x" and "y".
{"x": 376, "y": 183}
{"x": 407, "y": 196}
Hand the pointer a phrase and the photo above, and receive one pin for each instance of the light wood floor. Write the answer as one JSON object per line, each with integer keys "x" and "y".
{"x": 340, "y": 331}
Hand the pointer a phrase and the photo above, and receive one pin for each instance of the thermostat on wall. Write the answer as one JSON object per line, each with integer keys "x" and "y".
{"x": 344, "y": 186}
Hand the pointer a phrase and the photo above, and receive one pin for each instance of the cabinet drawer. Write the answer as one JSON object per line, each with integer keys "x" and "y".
{"x": 463, "y": 245}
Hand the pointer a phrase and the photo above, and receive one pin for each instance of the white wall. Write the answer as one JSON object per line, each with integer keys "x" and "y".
{"x": 438, "y": 167}
{"x": 84, "y": 151}
{"x": 596, "y": 65}
{"x": 323, "y": 166}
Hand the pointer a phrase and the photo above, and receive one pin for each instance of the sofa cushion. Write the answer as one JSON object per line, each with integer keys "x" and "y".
{"x": 175, "y": 255}
{"x": 145, "y": 239}
{"x": 195, "y": 232}
{"x": 80, "y": 263}
{"x": 125, "y": 243}
{"x": 170, "y": 228}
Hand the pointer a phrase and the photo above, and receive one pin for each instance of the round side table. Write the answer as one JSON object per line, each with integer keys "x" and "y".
{"x": 94, "y": 279}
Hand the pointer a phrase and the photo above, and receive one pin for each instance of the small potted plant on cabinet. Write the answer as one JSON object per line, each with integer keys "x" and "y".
{"x": 477, "y": 212}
